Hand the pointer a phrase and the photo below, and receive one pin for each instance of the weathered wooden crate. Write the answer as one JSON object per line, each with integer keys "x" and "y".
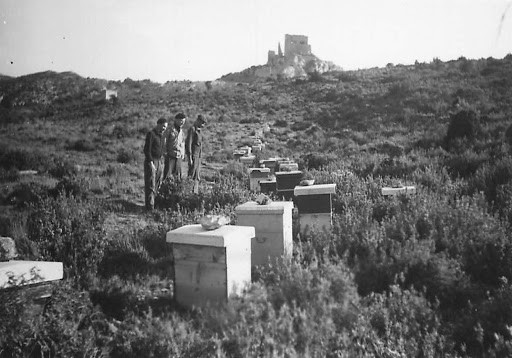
{"x": 272, "y": 163}
{"x": 256, "y": 148}
{"x": 247, "y": 160}
{"x": 246, "y": 149}
{"x": 314, "y": 203}
{"x": 210, "y": 266}
{"x": 273, "y": 229}
{"x": 237, "y": 154}
{"x": 268, "y": 186}
{"x": 32, "y": 281}
{"x": 256, "y": 175}
{"x": 286, "y": 183}
{"x": 288, "y": 166}
{"x": 16, "y": 273}
{"x": 407, "y": 190}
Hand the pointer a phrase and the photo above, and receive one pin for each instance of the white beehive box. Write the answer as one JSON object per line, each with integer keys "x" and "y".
{"x": 315, "y": 205}
{"x": 390, "y": 191}
{"x": 210, "y": 266}
{"x": 273, "y": 228}
{"x": 256, "y": 175}
{"x": 246, "y": 149}
{"x": 20, "y": 273}
{"x": 247, "y": 159}
{"x": 288, "y": 166}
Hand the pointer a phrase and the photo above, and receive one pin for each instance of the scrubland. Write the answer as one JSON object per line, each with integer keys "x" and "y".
{"x": 427, "y": 275}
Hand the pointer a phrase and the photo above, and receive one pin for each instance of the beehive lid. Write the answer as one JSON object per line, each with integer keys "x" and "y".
{"x": 261, "y": 170}
{"x": 275, "y": 207}
{"x": 315, "y": 189}
{"x": 224, "y": 236}
{"x": 29, "y": 272}
{"x": 294, "y": 172}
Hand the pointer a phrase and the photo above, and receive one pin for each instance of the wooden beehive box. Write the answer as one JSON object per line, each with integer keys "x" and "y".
{"x": 256, "y": 175}
{"x": 268, "y": 186}
{"x": 210, "y": 266}
{"x": 286, "y": 182}
{"x": 273, "y": 229}
{"x": 314, "y": 203}
{"x": 391, "y": 191}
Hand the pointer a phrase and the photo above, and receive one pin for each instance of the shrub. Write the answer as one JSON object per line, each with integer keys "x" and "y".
{"x": 463, "y": 124}
{"x": 126, "y": 156}
{"x": 69, "y": 230}
{"x": 300, "y": 126}
{"x": 23, "y": 159}
{"x": 224, "y": 192}
{"x": 317, "y": 160}
{"x": 62, "y": 168}
{"x": 281, "y": 123}
{"x": 235, "y": 169}
{"x": 82, "y": 145}
{"x": 68, "y": 328}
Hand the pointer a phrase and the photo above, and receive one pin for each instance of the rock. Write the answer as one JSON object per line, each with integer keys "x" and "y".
{"x": 7, "y": 249}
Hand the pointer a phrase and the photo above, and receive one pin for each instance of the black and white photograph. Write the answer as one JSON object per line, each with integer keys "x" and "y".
{"x": 255, "y": 178}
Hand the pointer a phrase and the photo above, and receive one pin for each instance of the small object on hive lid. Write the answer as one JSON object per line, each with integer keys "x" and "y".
{"x": 212, "y": 222}
{"x": 307, "y": 182}
{"x": 263, "y": 199}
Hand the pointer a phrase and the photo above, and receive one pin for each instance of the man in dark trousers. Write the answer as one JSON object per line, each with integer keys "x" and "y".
{"x": 193, "y": 149}
{"x": 154, "y": 150}
{"x": 175, "y": 152}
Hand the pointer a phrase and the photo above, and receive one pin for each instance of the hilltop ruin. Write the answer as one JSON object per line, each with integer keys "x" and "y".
{"x": 296, "y": 61}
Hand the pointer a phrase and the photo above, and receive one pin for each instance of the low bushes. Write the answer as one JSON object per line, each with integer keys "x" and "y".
{"x": 69, "y": 230}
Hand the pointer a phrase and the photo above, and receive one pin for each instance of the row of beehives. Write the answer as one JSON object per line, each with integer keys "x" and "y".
{"x": 210, "y": 266}
{"x": 281, "y": 176}
{"x": 244, "y": 153}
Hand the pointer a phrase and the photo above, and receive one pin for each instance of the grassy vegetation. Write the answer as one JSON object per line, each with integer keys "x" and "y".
{"x": 419, "y": 276}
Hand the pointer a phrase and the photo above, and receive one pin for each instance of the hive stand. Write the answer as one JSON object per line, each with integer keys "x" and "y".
{"x": 407, "y": 190}
{"x": 210, "y": 266}
{"x": 256, "y": 175}
{"x": 286, "y": 183}
{"x": 315, "y": 205}
{"x": 273, "y": 229}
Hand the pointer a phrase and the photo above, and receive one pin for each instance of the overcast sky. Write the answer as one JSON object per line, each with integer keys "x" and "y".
{"x": 204, "y": 39}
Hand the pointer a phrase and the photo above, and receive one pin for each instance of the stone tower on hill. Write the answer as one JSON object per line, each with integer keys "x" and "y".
{"x": 296, "y": 61}
{"x": 296, "y": 45}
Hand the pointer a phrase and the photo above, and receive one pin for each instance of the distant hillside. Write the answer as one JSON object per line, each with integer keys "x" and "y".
{"x": 45, "y": 88}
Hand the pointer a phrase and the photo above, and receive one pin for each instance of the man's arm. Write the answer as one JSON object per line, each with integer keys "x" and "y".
{"x": 147, "y": 147}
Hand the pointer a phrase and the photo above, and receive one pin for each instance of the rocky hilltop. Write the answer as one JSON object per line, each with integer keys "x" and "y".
{"x": 297, "y": 61}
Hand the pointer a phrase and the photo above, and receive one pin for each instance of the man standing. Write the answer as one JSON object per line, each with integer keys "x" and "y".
{"x": 154, "y": 149}
{"x": 193, "y": 148}
{"x": 175, "y": 152}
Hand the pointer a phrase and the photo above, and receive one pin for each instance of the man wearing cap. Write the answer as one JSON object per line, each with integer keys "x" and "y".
{"x": 154, "y": 150}
{"x": 194, "y": 146}
{"x": 175, "y": 151}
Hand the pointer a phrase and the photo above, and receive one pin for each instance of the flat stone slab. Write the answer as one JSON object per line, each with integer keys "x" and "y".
{"x": 19, "y": 273}
{"x": 388, "y": 191}
{"x": 222, "y": 237}
{"x": 315, "y": 189}
{"x": 275, "y": 207}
